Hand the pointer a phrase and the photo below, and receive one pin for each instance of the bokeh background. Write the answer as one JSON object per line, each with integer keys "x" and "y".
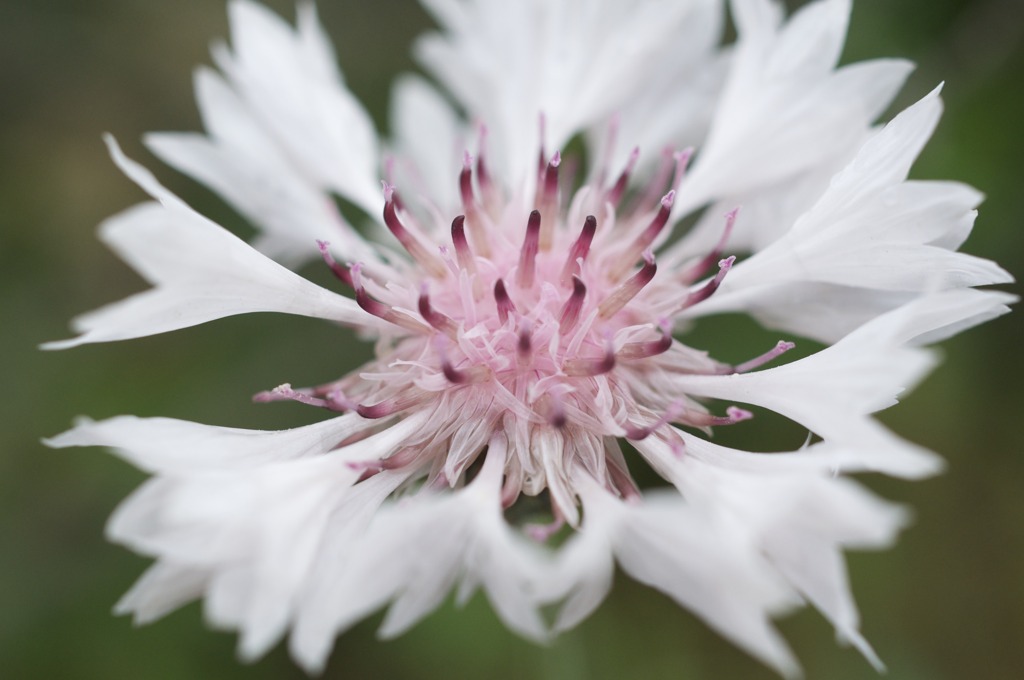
{"x": 947, "y": 602}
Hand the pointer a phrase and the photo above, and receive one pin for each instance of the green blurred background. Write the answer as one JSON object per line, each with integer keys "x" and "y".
{"x": 948, "y": 602}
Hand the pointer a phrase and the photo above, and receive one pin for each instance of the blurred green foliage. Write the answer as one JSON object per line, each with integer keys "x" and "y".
{"x": 948, "y": 602}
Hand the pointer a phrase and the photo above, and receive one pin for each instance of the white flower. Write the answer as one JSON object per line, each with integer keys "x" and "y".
{"x": 530, "y": 327}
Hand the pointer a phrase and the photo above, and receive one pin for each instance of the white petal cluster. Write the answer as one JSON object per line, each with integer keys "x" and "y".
{"x": 515, "y": 353}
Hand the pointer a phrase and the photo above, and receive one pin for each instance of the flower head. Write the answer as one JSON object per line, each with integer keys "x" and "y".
{"x": 529, "y": 312}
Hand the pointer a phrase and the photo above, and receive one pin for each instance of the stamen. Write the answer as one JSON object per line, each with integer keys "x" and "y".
{"x": 341, "y": 273}
{"x": 646, "y": 238}
{"x": 286, "y": 393}
{"x": 541, "y": 156}
{"x": 430, "y": 262}
{"x": 711, "y": 286}
{"x": 542, "y": 532}
{"x": 682, "y": 159}
{"x": 528, "y": 254}
{"x": 473, "y": 374}
{"x": 643, "y": 350}
{"x": 503, "y": 302}
{"x": 548, "y": 201}
{"x": 579, "y": 250}
{"x": 658, "y": 183}
{"x": 587, "y": 368}
{"x": 672, "y": 413}
{"x": 389, "y": 407}
{"x": 623, "y": 483}
{"x": 379, "y": 309}
{"x": 556, "y": 410}
{"x": 463, "y": 252}
{"x": 525, "y": 345}
{"x": 781, "y": 348}
{"x": 733, "y": 415}
{"x": 706, "y": 262}
{"x": 469, "y": 206}
{"x": 628, "y": 289}
{"x": 571, "y": 310}
{"x": 488, "y": 189}
{"x": 438, "y": 320}
{"x": 614, "y": 195}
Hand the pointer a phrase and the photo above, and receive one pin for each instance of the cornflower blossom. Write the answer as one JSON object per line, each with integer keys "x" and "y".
{"x": 529, "y": 311}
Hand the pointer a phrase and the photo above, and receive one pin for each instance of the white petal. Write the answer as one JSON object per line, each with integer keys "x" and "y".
{"x": 200, "y": 272}
{"x": 663, "y": 543}
{"x": 179, "y": 446}
{"x": 552, "y": 65}
{"x": 414, "y": 552}
{"x": 428, "y": 135}
{"x": 784, "y": 110}
{"x": 290, "y": 81}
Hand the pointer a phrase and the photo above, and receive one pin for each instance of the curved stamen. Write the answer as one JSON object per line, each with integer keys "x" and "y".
{"x": 438, "y": 320}
{"x": 646, "y": 237}
{"x": 706, "y": 262}
{"x": 711, "y": 286}
{"x": 389, "y": 407}
{"x": 469, "y": 206}
{"x": 503, "y": 302}
{"x": 341, "y": 273}
{"x": 528, "y": 253}
{"x": 780, "y": 348}
{"x": 571, "y": 310}
{"x": 672, "y": 413}
{"x": 614, "y": 195}
{"x": 379, "y": 309}
{"x": 587, "y": 368}
{"x": 286, "y": 393}
{"x": 488, "y": 190}
{"x": 463, "y": 253}
{"x": 524, "y": 346}
{"x": 429, "y": 261}
{"x": 547, "y": 201}
{"x": 733, "y": 415}
{"x": 643, "y": 350}
{"x": 579, "y": 250}
{"x": 628, "y": 289}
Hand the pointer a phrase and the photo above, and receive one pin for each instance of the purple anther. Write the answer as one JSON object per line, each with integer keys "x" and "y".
{"x": 428, "y": 260}
{"x": 780, "y": 348}
{"x": 503, "y": 302}
{"x": 573, "y": 306}
{"x": 579, "y": 250}
{"x": 463, "y": 253}
{"x": 556, "y": 416}
{"x": 614, "y": 195}
{"x": 525, "y": 345}
{"x": 438, "y": 320}
{"x": 528, "y": 253}
{"x": 708, "y": 289}
{"x": 341, "y": 273}
{"x": 628, "y": 289}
